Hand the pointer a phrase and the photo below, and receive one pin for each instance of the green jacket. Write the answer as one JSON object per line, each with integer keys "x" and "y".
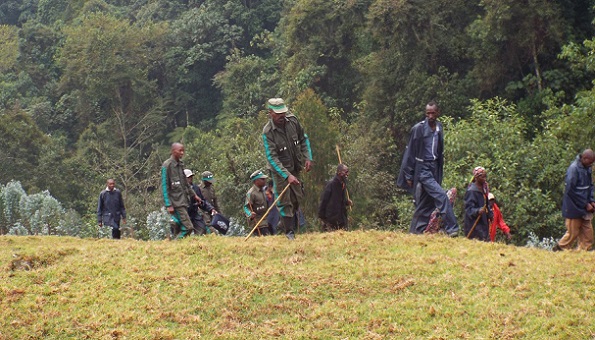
{"x": 256, "y": 201}
{"x": 209, "y": 193}
{"x": 174, "y": 185}
{"x": 287, "y": 149}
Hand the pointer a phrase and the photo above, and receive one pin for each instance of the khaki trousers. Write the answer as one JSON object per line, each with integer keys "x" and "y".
{"x": 183, "y": 223}
{"x": 577, "y": 228}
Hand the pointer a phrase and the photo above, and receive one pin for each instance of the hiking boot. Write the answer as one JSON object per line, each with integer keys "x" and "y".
{"x": 453, "y": 234}
{"x": 557, "y": 248}
{"x": 290, "y": 235}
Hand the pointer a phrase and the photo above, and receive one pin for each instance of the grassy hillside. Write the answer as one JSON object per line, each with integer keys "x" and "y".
{"x": 346, "y": 285}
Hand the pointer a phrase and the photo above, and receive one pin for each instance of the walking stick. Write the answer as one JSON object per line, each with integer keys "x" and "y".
{"x": 475, "y": 224}
{"x": 341, "y": 162}
{"x": 268, "y": 210}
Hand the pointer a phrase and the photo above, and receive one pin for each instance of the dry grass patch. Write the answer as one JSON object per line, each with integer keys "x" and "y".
{"x": 364, "y": 285}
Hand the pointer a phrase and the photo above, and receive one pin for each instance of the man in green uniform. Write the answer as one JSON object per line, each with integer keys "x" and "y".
{"x": 288, "y": 152}
{"x": 256, "y": 204}
{"x": 208, "y": 191}
{"x": 177, "y": 191}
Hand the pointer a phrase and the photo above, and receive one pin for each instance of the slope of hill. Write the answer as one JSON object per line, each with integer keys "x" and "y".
{"x": 345, "y": 285}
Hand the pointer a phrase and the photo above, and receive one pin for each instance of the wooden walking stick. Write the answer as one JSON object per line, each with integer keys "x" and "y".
{"x": 475, "y": 224}
{"x": 341, "y": 162}
{"x": 267, "y": 212}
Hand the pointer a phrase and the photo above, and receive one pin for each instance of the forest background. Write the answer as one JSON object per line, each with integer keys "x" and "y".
{"x": 93, "y": 89}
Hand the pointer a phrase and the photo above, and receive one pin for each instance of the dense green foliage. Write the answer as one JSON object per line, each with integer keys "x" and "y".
{"x": 97, "y": 89}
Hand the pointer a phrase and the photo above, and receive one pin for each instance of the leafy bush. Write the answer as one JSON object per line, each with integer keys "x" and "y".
{"x": 158, "y": 225}
{"x": 37, "y": 214}
{"x": 545, "y": 243}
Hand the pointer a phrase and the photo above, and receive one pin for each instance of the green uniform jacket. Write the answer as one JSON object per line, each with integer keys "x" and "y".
{"x": 174, "y": 185}
{"x": 256, "y": 201}
{"x": 287, "y": 149}
{"x": 209, "y": 194}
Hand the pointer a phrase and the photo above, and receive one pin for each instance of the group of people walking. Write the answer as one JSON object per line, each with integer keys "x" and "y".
{"x": 421, "y": 174}
{"x": 288, "y": 154}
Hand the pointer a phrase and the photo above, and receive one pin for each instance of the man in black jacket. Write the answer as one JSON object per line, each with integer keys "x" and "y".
{"x": 111, "y": 208}
{"x": 334, "y": 202}
{"x": 422, "y": 170}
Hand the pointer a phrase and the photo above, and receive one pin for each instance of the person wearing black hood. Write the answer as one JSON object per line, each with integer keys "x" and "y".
{"x": 334, "y": 201}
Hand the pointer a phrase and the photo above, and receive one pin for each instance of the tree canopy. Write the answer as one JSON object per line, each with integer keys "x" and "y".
{"x": 97, "y": 89}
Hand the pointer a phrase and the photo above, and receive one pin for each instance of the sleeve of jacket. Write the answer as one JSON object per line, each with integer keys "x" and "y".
{"x": 270, "y": 149}
{"x": 305, "y": 147}
{"x": 592, "y": 198}
{"x": 580, "y": 201}
{"x": 189, "y": 191}
{"x": 100, "y": 208}
{"x": 247, "y": 204}
{"x": 499, "y": 220}
{"x": 205, "y": 205}
{"x": 122, "y": 207}
{"x": 413, "y": 150}
{"x": 472, "y": 204}
{"x": 164, "y": 185}
{"x": 216, "y": 202}
{"x": 407, "y": 171}
{"x": 324, "y": 199}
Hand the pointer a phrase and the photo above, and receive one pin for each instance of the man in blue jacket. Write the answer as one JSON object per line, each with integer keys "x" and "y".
{"x": 578, "y": 203}
{"x": 111, "y": 208}
{"x": 422, "y": 170}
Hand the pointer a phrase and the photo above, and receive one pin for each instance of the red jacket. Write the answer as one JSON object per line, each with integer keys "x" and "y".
{"x": 498, "y": 222}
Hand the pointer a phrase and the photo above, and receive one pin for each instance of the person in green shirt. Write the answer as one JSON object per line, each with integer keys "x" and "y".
{"x": 288, "y": 152}
{"x": 256, "y": 204}
{"x": 177, "y": 191}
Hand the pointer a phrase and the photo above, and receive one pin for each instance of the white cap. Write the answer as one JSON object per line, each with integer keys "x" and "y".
{"x": 491, "y": 196}
{"x": 277, "y": 105}
{"x": 188, "y": 172}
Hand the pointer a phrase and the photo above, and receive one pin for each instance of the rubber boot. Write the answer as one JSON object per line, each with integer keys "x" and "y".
{"x": 289, "y": 223}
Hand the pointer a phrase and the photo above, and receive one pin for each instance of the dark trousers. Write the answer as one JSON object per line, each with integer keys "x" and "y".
{"x": 326, "y": 226}
{"x": 116, "y": 233}
{"x": 429, "y": 195}
{"x": 200, "y": 227}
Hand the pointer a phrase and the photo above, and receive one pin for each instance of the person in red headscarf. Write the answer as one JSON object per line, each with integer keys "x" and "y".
{"x": 477, "y": 212}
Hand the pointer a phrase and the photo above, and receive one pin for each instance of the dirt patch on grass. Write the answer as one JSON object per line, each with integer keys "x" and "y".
{"x": 40, "y": 260}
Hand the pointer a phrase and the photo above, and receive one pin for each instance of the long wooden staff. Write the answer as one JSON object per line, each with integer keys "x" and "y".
{"x": 475, "y": 224}
{"x": 341, "y": 162}
{"x": 267, "y": 212}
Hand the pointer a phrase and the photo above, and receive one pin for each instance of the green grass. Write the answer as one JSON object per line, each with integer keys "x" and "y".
{"x": 344, "y": 285}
